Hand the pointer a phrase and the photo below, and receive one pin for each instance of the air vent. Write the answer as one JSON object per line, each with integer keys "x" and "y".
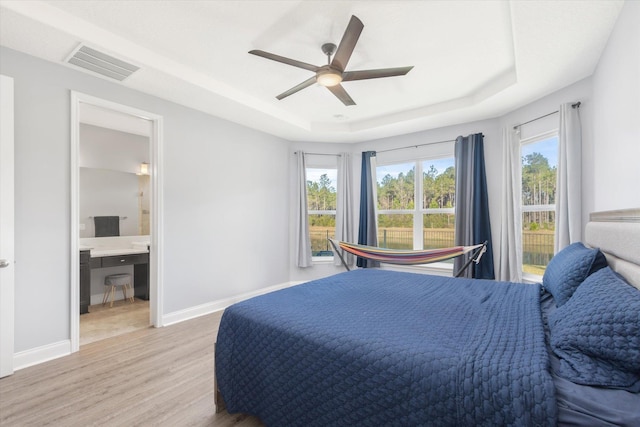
{"x": 101, "y": 63}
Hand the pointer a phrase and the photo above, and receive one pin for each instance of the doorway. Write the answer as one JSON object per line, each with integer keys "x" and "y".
{"x": 139, "y": 246}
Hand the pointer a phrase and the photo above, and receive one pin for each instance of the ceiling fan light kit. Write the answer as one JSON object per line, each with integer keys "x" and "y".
{"x": 328, "y": 77}
{"x": 333, "y": 74}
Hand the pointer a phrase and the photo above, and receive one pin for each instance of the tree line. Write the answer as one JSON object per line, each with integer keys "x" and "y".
{"x": 438, "y": 191}
{"x": 538, "y": 188}
{"x": 321, "y": 196}
{"x": 394, "y": 193}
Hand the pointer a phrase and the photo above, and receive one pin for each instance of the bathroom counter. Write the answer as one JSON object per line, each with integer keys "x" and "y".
{"x": 105, "y": 252}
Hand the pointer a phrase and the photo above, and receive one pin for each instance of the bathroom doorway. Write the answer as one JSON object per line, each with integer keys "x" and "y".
{"x": 115, "y": 233}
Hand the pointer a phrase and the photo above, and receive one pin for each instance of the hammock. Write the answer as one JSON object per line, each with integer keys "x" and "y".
{"x": 409, "y": 257}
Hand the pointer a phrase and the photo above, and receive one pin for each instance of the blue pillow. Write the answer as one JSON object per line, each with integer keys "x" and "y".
{"x": 596, "y": 334}
{"x": 568, "y": 268}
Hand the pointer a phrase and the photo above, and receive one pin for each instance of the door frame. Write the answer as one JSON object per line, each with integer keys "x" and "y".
{"x": 156, "y": 217}
{"x": 7, "y": 243}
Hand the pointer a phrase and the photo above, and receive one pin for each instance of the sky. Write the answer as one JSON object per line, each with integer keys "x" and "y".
{"x": 547, "y": 147}
{"x": 314, "y": 175}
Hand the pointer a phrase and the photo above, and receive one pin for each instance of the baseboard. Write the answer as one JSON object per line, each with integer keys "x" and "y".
{"x": 211, "y": 307}
{"x": 35, "y": 356}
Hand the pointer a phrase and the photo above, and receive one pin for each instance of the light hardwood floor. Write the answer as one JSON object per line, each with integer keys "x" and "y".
{"x": 149, "y": 377}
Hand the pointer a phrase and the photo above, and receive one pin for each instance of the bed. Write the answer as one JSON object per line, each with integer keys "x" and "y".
{"x": 378, "y": 347}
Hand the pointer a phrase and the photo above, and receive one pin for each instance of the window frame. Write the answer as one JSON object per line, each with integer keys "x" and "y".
{"x": 531, "y": 277}
{"x": 419, "y": 210}
{"x": 326, "y": 167}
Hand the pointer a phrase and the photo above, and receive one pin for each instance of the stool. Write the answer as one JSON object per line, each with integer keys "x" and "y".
{"x": 115, "y": 280}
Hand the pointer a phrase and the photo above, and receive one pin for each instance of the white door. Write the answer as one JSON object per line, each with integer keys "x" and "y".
{"x": 6, "y": 226}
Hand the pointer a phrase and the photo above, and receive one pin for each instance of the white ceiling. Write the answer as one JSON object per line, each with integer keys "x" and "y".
{"x": 472, "y": 59}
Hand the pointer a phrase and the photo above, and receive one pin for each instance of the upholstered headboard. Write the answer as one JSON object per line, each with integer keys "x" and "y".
{"x": 617, "y": 234}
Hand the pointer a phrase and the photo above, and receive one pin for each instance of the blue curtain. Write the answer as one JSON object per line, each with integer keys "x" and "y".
{"x": 472, "y": 205}
{"x": 368, "y": 225}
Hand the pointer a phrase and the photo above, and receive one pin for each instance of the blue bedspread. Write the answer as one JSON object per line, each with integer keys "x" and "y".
{"x": 374, "y": 347}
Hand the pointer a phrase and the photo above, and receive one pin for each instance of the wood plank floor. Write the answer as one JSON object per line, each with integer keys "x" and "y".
{"x": 149, "y": 377}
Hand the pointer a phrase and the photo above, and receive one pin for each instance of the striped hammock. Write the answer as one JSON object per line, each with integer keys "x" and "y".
{"x": 407, "y": 257}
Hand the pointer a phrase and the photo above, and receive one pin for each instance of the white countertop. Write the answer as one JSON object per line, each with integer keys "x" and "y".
{"x": 114, "y": 246}
{"x": 100, "y": 252}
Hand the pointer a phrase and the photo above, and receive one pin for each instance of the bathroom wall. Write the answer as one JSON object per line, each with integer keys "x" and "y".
{"x": 109, "y": 184}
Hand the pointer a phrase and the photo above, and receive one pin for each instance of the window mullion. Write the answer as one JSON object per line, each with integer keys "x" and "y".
{"x": 417, "y": 206}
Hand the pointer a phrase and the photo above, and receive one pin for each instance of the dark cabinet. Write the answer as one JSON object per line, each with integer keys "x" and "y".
{"x": 114, "y": 261}
{"x": 85, "y": 281}
{"x": 141, "y": 280}
{"x": 140, "y": 264}
{"x": 140, "y": 271}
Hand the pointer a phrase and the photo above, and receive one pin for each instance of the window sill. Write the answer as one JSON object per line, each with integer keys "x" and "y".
{"x": 322, "y": 260}
{"x": 531, "y": 278}
{"x": 436, "y": 268}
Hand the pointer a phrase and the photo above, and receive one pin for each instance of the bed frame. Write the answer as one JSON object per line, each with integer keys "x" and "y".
{"x": 616, "y": 233}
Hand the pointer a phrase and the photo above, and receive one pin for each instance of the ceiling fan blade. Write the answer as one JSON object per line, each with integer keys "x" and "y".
{"x": 347, "y": 44}
{"x": 284, "y": 60}
{"x": 375, "y": 74}
{"x": 341, "y": 94}
{"x": 297, "y": 88}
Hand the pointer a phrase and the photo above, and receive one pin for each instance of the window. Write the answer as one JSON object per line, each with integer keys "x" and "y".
{"x": 396, "y": 205}
{"x": 321, "y": 205}
{"x": 539, "y": 176}
{"x": 427, "y": 224}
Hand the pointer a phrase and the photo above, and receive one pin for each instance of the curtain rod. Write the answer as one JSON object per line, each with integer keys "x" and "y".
{"x": 320, "y": 154}
{"x": 416, "y": 146}
{"x": 576, "y": 105}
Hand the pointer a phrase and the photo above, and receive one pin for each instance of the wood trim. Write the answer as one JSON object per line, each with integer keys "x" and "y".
{"x": 38, "y": 355}
{"x": 157, "y": 231}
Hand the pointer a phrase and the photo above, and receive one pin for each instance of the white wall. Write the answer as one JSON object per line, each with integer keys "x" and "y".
{"x": 105, "y": 192}
{"x": 102, "y": 148}
{"x": 226, "y": 200}
{"x": 616, "y": 124}
{"x": 109, "y": 161}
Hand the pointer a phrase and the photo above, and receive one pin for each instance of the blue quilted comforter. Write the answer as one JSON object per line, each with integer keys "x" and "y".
{"x": 374, "y": 347}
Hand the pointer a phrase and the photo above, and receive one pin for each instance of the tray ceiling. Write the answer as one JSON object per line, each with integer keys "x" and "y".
{"x": 472, "y": 60}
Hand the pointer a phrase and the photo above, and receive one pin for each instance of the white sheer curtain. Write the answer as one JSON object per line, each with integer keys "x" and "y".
{"x": 510, "y": 264}
{"x": 344, "y": 210}
{"x": 303, "y": 241}
{"x": 569, "y": 188}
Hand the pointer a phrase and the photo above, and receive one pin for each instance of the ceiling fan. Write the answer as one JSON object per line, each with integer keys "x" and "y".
{"x": 332, "y": 74}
